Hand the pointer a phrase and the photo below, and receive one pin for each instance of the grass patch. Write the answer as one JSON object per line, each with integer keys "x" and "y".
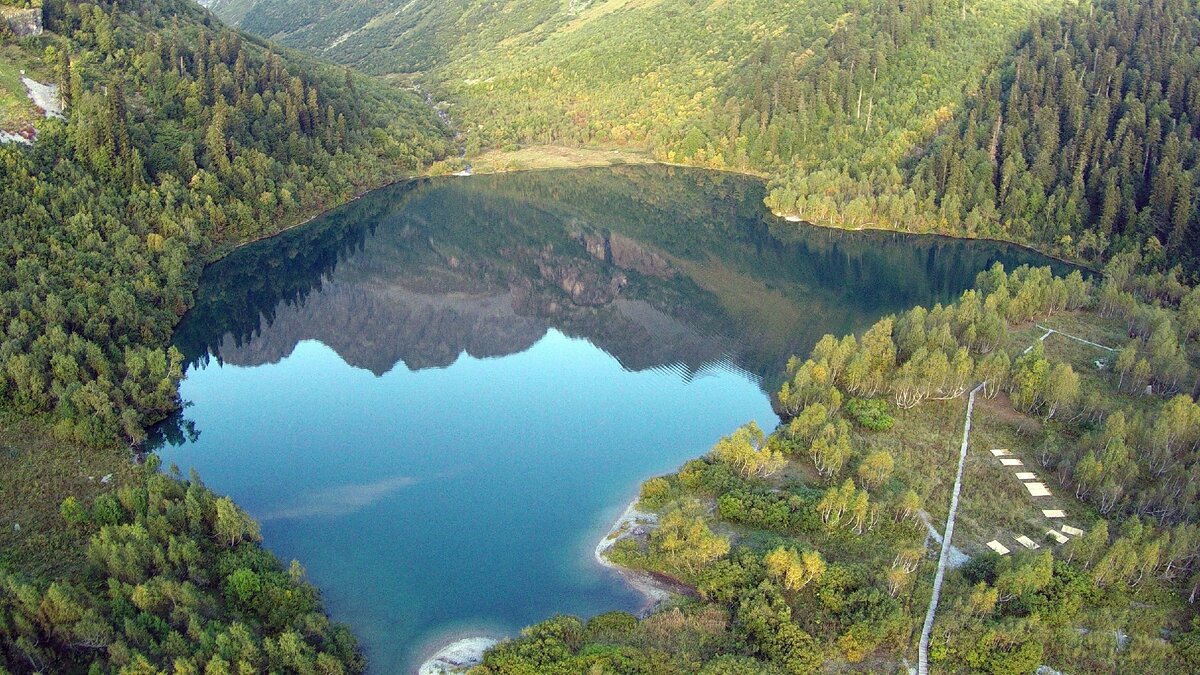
{"x": 924, "y": 442}
{"x": 539, "y": 157}
{"x": 16, "y": 110}
{"x": 36, "y": 474}
{"x": 1110, "y": 331}
{"x": 994, "y": 503}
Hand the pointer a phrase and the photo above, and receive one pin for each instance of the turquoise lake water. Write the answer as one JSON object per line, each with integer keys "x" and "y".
{"x": 437, "y": 398}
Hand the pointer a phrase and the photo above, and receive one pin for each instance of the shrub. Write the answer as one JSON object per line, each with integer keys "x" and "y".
{"x": 72, "y": 511}
{"x": 871, "y": 414}
{"x": 243, "y": 587}
{"x": 655, "y": 493}
{"x": 107, "y": 510}
{"x": 611, "y": 624}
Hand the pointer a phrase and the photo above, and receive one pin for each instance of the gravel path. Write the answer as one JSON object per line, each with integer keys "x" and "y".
{"x": 957, "y": 557}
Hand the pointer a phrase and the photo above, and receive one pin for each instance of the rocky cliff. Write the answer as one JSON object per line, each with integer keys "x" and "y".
{"x": 428, "y": 315}
{"x": 23, "y": 22}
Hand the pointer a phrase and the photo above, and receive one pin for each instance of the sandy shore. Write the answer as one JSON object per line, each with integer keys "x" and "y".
{"x": 458, "y": 656}
{"x": 633, "y": 522}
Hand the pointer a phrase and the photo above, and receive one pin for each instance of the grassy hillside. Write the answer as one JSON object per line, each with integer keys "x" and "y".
{"x": 231, "y": 11}
{"x": 395, "y": 36}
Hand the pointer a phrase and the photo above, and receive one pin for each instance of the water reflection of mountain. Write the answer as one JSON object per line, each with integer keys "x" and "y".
{"x": 657, "y": 266}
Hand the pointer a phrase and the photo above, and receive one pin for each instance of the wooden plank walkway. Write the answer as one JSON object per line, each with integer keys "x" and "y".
{"x": 927, "y": 630}
{"x": 1073, "y": 337}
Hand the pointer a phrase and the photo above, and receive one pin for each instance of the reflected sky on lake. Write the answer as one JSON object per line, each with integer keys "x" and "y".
{"x": 438, "y": 397}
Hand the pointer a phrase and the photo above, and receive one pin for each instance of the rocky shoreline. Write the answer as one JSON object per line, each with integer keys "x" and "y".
{"x": 458, "y": 656}
{"x": 635, "y": 523}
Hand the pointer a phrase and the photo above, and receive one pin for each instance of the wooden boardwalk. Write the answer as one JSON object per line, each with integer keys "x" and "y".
{"x": 927, "y": 630}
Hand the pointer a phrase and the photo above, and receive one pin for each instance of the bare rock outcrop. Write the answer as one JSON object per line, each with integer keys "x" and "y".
{"x": 23, "y": 22}
{"x": 621, "y": 251}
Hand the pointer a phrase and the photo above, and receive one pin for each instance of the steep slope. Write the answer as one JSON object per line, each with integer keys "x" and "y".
{"x": 1087, "y": 139}
{"x": 1083, "y": 142}
{"x": 396, "y": 36}
{"x": 181, "y": 137}
{"x": 231, "y": 11}
{"x": 752, "y": 85}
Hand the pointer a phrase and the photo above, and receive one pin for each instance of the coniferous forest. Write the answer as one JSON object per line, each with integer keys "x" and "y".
{"x": 1082, "y": 141}
{"x": 865, "y": 114}
{"x": 183, "y": 136}
{"x": 1069, "y": 127}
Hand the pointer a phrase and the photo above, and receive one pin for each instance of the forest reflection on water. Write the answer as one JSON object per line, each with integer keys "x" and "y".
{"x": 437, "y": 396}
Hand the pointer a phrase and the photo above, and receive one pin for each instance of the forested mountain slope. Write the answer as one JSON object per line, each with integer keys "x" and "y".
{"x": 1087, "y": 137}
{"x": 752, "y": 85}
{"x": 181, "y": 135}
{"x": 181, "y": 138}
{"x": 1055, "y": 124}
{"x": 1083, "y": 142}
